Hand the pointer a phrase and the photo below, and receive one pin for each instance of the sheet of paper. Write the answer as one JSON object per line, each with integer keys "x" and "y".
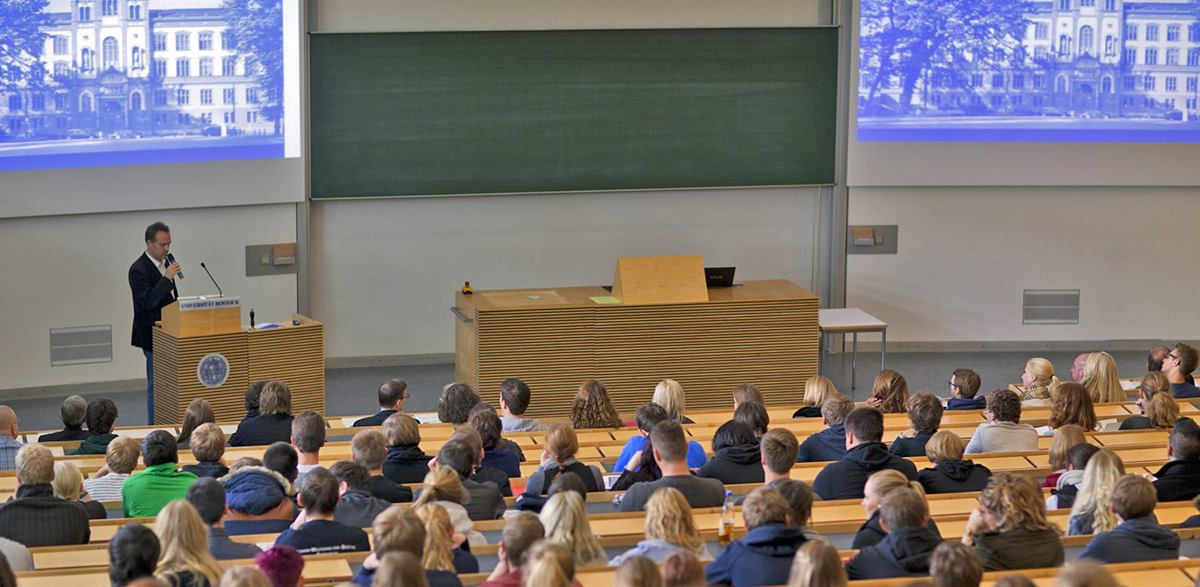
{"x": 1129, "y": 384}
{"x": 605, "y": 300}
{"x": 426, "y": 418}
{"x": 349, "y": 422}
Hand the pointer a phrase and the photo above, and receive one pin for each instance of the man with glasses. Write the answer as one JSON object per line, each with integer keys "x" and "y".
{"x": 1177, "y": 365}
{"x": 392, "y": 395}
{"x": 964, "y": 384}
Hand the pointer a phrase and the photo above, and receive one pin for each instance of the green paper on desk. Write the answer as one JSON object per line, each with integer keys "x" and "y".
{"x": 605, "y": 300}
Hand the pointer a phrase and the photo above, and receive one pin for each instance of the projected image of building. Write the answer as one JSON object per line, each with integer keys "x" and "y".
{"x": 134, "y": 69}
{"x": 1082, "y": 59}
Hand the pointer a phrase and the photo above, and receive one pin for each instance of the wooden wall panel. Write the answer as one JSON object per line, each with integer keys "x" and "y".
{"x": 294, "y": 355}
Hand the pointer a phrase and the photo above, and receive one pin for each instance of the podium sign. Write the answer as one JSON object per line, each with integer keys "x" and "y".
{"x": 198, "y": 316}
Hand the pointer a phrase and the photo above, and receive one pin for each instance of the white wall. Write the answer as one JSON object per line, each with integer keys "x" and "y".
{"x": 966, "y": 254}
{"x": 62, "y": 271}
{"x": 385, "y": 271}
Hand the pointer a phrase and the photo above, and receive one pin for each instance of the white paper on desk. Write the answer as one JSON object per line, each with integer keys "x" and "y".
{"x": 609, "y": 481}
{"x": 1129, "y": 384}
{"x": 349, "y": 422}
{"x": 264, "y": 545}
{"x": 1043, "y": 430}
{"x": 426, "y": 418}
{"x": 1109, "y": 425}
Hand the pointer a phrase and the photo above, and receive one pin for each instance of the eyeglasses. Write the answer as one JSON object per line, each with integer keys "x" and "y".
{"x": 1176, "y": 357}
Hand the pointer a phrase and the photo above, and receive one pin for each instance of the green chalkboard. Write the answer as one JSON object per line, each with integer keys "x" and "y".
{"x": 410, "y": 114}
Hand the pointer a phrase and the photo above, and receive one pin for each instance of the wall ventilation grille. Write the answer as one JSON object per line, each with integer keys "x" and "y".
{"x": 80, "y": 345}
{"x": 1050, "y": 306}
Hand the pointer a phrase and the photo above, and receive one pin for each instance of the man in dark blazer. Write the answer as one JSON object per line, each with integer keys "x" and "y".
{"x": 152, "y": 281}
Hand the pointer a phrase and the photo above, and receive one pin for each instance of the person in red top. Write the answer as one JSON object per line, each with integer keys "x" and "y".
{"x": 520, "y": 533}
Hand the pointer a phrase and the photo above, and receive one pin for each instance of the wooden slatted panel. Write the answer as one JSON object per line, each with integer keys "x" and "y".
{"x": 294, "y": 355}
{"x": 176, "y": 383}
{"x": 551, "y": 350}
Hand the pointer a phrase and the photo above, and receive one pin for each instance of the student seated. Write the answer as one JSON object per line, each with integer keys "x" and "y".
{"x": 669, "y": 529}
{"x": 1009, "y": 529}
{"x": 565, "y": 518}
{"x": 905, "y": 550}
{"x": 456, "y": 402}
{"x": 483, "y": 501}
{"x": 736, "y": 455}
{"x": 955, "y": 564}
{"x": 1100, "y": 379}
{"x": 637, "y": 571}
{"x": 208, "y": 446}
{"x": 405, "y": 462}
{"x": 1178, "y": 365}
{"x": 120, "y": 459}
{"x": 514, "y": 400}
{"x": 162, "y": 482}
{"x": 817, "y": 564}
{"x": 1179, "y": 480}
{"x": 272, "y": 422}
{"x": 444, "y": 486}
{"x": 1092, "y": 513}
{"x": 878, "y": 487}
{"x": 185, "y": 560}
{"x": 778, "y": 449}
{"x": 68, "y": 485}
{"x": 964, "y": 384}
{"x": 442, "y": 552}
{"x": 259, "y": 501}
{"x": 1065, "y": 438}
{"x": 308, "y": 436}
{"x": 764, "y": 555}
{"x": 1037, "y": 381}
{"x": 1068, "y": 484}
{"x": 520, "y": 533}
{"x": 924, "y": 417}
{"x": 865, "y": 454}
{"x": 670, "y": 452}
{"x": 207, "y": 495}
{"x": 1003, "y": 431}
{"x": 890, "y": 393}
{"x": 1194, "y": 520}
{"x": 754, "y": 415}
{"x": 1072, "y": 404}
{"x": 642, "y": 469}
{"x": 592, "y": 408}
{"x": 951, "y": 473}
{"x": 646, "y": 417}
{"x": 799, "y": 497}
{"x": 282, "y": 565}
{"x": 817, "y": 389}
{"x": 198, "y": 412}
{"x": 356, "y": 506}
{"x": 747, "y": 392}
{"x": 101, "y": 417}
{"x": 315, "y": 531}
{"x": 550, "y": 565}
{"x": 479, "y": 473}
{"x": 72, "y": 412}
{"x": 34, "y": 517}
{"x": 1137, "y": 536}
{"x": 1084, "y": 573}
{"x": 399, "y": 530}
{"x": 132, "y": 554}
{"x": 495, "y": 455}
{"x": 282, "y": 458}
{"x": 559, "y": 457}
{"x": 501, "y": 444}
{"x": 669, "y": 394}
{"x": 369, "y": 449}
{"x": 1152, "y": 383}
{"x": 392, "y": 395}
{"x": 830, "y": 443}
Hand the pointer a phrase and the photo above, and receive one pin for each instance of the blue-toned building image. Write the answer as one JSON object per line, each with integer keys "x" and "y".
{"x": 958, "y": 70}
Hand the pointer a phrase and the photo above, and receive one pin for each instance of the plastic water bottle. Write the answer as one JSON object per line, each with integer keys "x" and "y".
{"x": 725, "y": 529}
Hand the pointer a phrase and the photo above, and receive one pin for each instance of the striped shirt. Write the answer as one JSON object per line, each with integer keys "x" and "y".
{"x": 8, "y": 453}
{"x": 106, "y": 488}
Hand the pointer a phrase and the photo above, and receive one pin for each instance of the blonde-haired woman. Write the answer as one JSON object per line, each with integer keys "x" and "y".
{"x": 1092, "y": 511}
{"x": 68, "y": 485}
{"x": 1100, "y": 379}
{"x": 878, "y": 485}
{"x": 549, "y": 564}
{"x": 669, "y": 528}
{"x": 1038, "y": 381}
{"x": 592, "y": 408}
{"x": 1163, "y": 411}
{"x": 1071, "y": 404}
{"x": 817, "y": 564}
{"x": 817, "y": 389}
{"x": 400, "y": 569}
{"x": 442, "y": 552}
{"x": 565, "y": 519}
{"x": 890, "y": 394}
{"x": 444, "y": 487}
{"x": 562, "y": 444}
{"x": 1009, "y": 529}
{"x": 185, "y": 560}
{"x": 1153, "y": 384}
{"x": 669, "y": 394}
{"x": 1065, "y": 438}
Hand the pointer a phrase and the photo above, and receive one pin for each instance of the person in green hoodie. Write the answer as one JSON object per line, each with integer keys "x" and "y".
{"x": 147, "y": 492}
{"x": 101, "y": 415}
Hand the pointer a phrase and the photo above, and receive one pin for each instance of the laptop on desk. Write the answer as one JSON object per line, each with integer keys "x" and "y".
{"x": 719, "y": 276}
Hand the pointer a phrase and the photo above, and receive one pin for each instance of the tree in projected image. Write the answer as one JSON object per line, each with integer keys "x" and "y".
{"x": 21, "y": 43}
{"x": 256, "y": 30}
{"x": 909, "y": 41}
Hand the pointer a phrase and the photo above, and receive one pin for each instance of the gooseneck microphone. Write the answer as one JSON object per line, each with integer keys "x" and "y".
{"x": 251, "y": 319}
{"x": 210, "y": 278}
{"x": 171, "y": 261}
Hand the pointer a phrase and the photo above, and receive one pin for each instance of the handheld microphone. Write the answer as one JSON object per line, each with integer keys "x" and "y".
{"x": 210, "y": 278}
{"x": 171, "y": 261}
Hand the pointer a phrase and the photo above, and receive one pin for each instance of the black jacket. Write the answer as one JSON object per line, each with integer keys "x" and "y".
{"x": 212, "y": 469}
{"x": 741, "y": 463}
{"x": 911, "y": 447}
{"x": 1019, "y": 549}
{"x": 871, "y": 533}
{"x": 151, "y": 293}
{"x": 406, "y": 464}
{"x": 1134, "y": 541}
{"x": 76, "y": 433}
{"x": 1135, "y": 423}
{"x": 376, "y": 420}
{"x": 808, "y": 412}
{"x": 826, "y": 445}
{"x": 954, "y": 477}
{"x": 358, "y": 508}
{"x": 902, "y": 553}
{"x": 262, "y": 429}
{"x": 1178, "y": 481}
{"x": 389, "y": 490}
{"x": 34, "y": 517}
{"x": 494, "y": 475}
{"x": 846, "y": 478}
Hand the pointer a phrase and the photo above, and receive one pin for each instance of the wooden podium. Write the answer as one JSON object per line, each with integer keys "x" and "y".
{"x": 201, "y": 350}
{"x": 761, "y": 332}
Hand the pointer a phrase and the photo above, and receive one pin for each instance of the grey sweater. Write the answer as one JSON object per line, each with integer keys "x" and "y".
{"x": 1002, "y": 437}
